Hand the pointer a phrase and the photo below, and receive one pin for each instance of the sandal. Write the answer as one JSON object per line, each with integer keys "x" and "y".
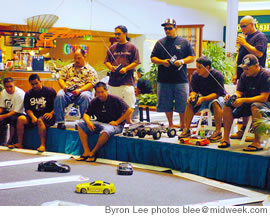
{"x": 82, "y": 158}
{"x": 224, "y": 144}
{"x": 91, "y": 159}
{"x": 12, "y": 146}
{"x": 253, "y": 148}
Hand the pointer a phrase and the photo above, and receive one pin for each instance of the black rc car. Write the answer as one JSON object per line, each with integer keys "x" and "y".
{"x": 53, "y": 166}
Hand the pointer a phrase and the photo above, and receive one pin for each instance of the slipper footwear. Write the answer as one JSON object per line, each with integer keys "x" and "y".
{"x": 255, "y": 148}
{"x": 221, "y": 145}
{"x": 91, "y": 159}
{"x": 82, "y": 158}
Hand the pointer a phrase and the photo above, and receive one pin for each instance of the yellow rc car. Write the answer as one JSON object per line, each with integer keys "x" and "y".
{"x": 96, "y": 187}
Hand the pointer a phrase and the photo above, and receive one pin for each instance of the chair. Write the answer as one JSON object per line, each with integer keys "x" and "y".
{"x": 209, "y": 125}
{"x": 246, "y": 132}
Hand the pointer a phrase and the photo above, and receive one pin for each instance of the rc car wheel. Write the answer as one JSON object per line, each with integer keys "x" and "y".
{"x": 182, "y": 141}
{"x": 156, "y": 135}
{"x": 83, "y": 190}
{"x": 41, "y": 169}
{"x": 106, "y": 191}
{"x": 171, "y": 132}
{"x": 198, "y": 143}
{"x": 141, "y": 133}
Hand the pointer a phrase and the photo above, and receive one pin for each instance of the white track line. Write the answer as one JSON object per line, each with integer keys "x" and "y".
{"x": 33, "y": 160}
{"x": 45, "y": 181}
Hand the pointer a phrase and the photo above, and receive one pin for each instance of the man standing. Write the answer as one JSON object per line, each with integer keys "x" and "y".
{"x": 111, "y": 112}
{"x": 251, "y": 42}
{"x": 209, "y": 84}
{"x": 122, "y": 57}
{"x": 11, "y": 107}
{"x": 172, "y": 87}
{"x": 38, "y": 104}
{"x": 252, "y": 92}
{"x": 76, "y": 81}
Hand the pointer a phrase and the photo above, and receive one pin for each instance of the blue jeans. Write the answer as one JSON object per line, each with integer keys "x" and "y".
{"x": 63, "y": 99}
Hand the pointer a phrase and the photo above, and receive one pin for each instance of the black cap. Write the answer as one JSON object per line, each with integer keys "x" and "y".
{"x": 169, "y": 21}
{"x": 249, "y": 60}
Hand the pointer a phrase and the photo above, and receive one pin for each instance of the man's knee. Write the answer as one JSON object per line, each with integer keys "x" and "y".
{"x": 22, "y": 120}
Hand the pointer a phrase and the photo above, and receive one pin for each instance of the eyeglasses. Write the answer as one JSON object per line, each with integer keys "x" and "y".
{"x": 244, "y": 26}
{"x": 117, "y": 34}
{"x": 168, "y": 28}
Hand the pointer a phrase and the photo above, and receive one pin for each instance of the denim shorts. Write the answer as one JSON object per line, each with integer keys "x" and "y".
{"x": 101, "y": 127}
{"x": 208, "y": 105}
{"x": 172, "y": 97}
{"x": 245, "y": 109}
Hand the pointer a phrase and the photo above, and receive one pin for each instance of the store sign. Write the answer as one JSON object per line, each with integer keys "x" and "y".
{"x": 262, "y": 27}
{"x": 70, "y": 48}
{"x": 53, "y": 33}
{"x": 19, "y": 41}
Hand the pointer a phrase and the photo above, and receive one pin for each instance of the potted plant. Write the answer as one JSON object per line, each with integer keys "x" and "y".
{"x": 151, "y": 98}
{"x": 225, "y": 65}
{"x": 262, "y": 126}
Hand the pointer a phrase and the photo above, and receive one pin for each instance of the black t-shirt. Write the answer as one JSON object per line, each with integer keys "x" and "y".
{"x": 40, "y": 102}
{"x": 208, "y": 85}
{"x": 110, "y": 110}
{"x": 254, "y": 86}
{"x": 259, "y": 41}
{"x": 145, "y": 86}
{"x": 179, "y": 47}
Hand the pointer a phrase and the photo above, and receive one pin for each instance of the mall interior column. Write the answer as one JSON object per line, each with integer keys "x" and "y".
{"x": 231, "y": 25}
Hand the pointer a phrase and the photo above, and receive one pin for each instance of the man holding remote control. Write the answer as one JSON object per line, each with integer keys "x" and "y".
{"x": 76, "y": 80}
{"x": 172, "y": 54}
{"x": 122, "y": 58}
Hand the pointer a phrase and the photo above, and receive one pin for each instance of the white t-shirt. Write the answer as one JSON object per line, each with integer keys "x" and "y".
{"x": 12, "y": 102}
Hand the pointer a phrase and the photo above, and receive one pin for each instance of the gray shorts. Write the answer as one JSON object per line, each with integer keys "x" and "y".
{"x": 208, "y": 104}
{"x": 100, "y": 128}
{"x": 172, "y": 97}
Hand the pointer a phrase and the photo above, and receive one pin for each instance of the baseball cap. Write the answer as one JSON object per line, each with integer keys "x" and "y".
{"x": 169, "y": 21}
{"x": 249, "y": 60}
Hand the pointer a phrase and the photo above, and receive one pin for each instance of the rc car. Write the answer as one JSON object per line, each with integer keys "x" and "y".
{"x": 124, "y": 169}
{"x": 155, "y": 129}
{"x": 53, "y": 166}
{"x": 96, "y": 187}
{"x": 195, "y": 141}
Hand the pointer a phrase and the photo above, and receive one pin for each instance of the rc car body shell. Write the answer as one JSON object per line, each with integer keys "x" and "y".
{"x": 101, "y": 187}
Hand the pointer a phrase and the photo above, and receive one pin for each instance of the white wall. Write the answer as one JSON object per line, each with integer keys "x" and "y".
{"x": 140, "y": 16}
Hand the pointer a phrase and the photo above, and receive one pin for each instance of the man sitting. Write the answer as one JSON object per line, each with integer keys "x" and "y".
{"x": 76, "y": 81}
{"x": 38, "y": 104}
{"x": 207, "y": 92}
{"x": 111, "y": 112}
{"x": 11, "y": 107}
{"x": 253, "y": 86}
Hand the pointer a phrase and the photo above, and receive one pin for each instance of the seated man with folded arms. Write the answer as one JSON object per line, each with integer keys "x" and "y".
{"x": 38, "y": 104}
{"x": 252, "y": 93}
{"x": 11, "y": 107}
{"x": 208, "y": 85}
{"x": 110, "y": 111}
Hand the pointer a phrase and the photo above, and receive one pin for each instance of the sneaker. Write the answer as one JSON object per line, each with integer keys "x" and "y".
{"x": 215, "y": 136}
{"x": 238, "y": 134}
{"x": 185, "y": 133}
{"x": 61, "y": 126}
